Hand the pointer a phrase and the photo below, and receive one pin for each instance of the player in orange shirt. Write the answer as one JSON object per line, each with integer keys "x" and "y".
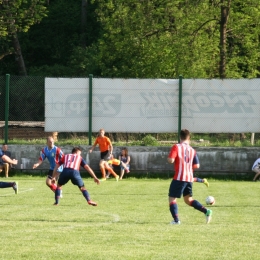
{"x": 106, "y": 149}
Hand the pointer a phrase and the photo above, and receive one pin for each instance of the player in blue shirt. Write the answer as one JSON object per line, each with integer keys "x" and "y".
{"x": 53, "y": 154}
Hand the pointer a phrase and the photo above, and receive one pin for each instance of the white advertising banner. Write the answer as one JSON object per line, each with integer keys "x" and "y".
{"x": 221, "y": 106}
{"x": 151, "y": 105}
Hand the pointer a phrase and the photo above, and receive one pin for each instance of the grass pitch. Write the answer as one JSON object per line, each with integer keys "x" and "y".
{"x": 131, "y": 221}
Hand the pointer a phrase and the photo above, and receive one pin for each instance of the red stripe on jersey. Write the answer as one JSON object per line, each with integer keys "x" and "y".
{"x": 72, "y": 161}
{"x": 183, "y": 164}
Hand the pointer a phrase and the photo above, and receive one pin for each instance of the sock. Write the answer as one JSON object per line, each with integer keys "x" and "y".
{"x": 195, "y": 179}
{"x": 6, "y": 184}
{"x": 53, "y": 187}
{"x": 103, "y": 172}
{"x": 174, "y": 211}
{"x": 86, "y": 195}
{"x": 57, "y": 195}
{"x": 196, "y": 205}
{"x": 112, "y": 172}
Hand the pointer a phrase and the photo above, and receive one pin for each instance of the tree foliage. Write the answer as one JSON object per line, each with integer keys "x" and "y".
{"x": 146, "y": 39}
{"x": 20, "y": 15}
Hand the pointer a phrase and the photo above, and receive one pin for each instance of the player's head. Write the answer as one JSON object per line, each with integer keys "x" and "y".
{"x": 101, "y": 132}
{"x": 76, "y": 150}
{"x": 124, "y": 151}
{"x": 185, "y": 135}
{"x": 50, "y": 141}
{"x": 4, "y": 147}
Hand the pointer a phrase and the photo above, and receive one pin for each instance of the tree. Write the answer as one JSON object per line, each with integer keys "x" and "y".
{"x": 18, "y": 16}
{"x": 205, "y": 39}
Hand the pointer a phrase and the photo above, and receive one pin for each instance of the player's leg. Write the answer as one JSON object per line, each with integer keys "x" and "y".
{"x": 102, "y": 169}
{"x": 175, "y": 191}
{"x": 77, "y": 180}
{"x": 188, "y": 199}
{"x": 126, "y": 168}
{"x": 49, "y": 182}
{"x": 111, "y": 171}
{"x": 6, "y": 169}
{"x": 205, "y": 181}
{"x": 122, "y": 172}
{"x": 4, "y": 185}
{"x": 64, "y": 177}
{"x": 257, "y": 171}
{"x": 13, "y": 185}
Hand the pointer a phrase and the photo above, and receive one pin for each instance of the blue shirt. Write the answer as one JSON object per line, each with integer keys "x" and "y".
{"x": 53, "y": 155}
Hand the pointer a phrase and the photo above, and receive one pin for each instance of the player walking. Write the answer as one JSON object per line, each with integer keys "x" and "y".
{"x": 185, "y": 160}
{"x": 53, "y": 154}
{"x": 72, "y": 163}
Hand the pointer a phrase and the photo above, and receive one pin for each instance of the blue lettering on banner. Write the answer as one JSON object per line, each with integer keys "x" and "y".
{"x": 77, "y": 105}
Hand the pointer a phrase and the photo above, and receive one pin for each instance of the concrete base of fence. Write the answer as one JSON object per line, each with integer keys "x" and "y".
{"x": 147, "y": 160}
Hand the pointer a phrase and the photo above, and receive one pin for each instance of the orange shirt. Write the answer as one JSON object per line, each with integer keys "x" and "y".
{"x": 103, "y": 142}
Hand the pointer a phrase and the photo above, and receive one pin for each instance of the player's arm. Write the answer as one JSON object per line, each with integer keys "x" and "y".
{"x": 172, "y": 154}
{"x": 90, "y": 171}
{"x": 93, "y": 146}
{"x": 41, "y": 159}
{"x": 37, "y": 164}
{"x": 170, "y": 160}
{"x": 9, "y": 160}
{"x": 110, "y": 147}
{"x": 195, "y": 163}
{"x": 55, "y": 174}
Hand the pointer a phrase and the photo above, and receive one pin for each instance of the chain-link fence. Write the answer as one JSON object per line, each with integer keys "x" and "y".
{"x": 129, "y": 109}
{"x": 26, "y": 98}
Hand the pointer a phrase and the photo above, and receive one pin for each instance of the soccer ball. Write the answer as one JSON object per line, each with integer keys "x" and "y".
{"x": 210, "y": 200}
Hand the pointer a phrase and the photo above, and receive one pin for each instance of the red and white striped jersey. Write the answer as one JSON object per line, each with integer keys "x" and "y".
{"x": 72, "y": 161}
{"x": 184, "y": 158}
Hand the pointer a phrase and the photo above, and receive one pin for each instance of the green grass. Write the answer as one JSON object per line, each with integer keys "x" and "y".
{"x": 131, "y": 221}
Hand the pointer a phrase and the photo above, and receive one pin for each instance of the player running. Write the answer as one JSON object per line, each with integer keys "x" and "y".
{"x": 72, "y": 163}
{"x": 185, "y": 159}
{"x": 53, "y": 154}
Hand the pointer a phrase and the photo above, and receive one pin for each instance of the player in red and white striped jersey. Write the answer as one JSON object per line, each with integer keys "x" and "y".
{"x": 185, "y": 159}
{"x": 71, "y": 164}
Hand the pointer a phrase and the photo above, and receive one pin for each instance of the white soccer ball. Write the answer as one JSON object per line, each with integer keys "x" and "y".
{"x": 210, "y": 200}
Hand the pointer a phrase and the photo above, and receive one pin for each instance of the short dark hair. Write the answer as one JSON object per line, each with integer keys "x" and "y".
{"x": 75, "y": 149}
{"x": 184, "y": 134}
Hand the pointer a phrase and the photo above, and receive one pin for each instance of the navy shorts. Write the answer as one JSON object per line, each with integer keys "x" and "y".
{"x": 178, "y": 188}
{"x": 72, "y": 175}
{"x": 50, "y": 174}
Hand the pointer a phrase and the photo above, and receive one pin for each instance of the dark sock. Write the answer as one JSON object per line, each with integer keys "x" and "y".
{"x": 174, "y": 211}
{"x": 86, "y": 195}
{"x": 6, "y": 184}
{"x": 57, "y": 195}
{"x": 196, "y": 205}
{"x": 198, "y": 180}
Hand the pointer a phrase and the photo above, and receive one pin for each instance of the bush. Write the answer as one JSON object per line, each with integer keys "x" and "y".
{"x": 150, "y": 141}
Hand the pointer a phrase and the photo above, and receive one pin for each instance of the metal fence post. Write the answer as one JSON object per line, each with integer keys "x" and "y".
{"x": 90, "y": 110}
{"x": 180, "y": 107}
{"x": 7, "y": 106}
